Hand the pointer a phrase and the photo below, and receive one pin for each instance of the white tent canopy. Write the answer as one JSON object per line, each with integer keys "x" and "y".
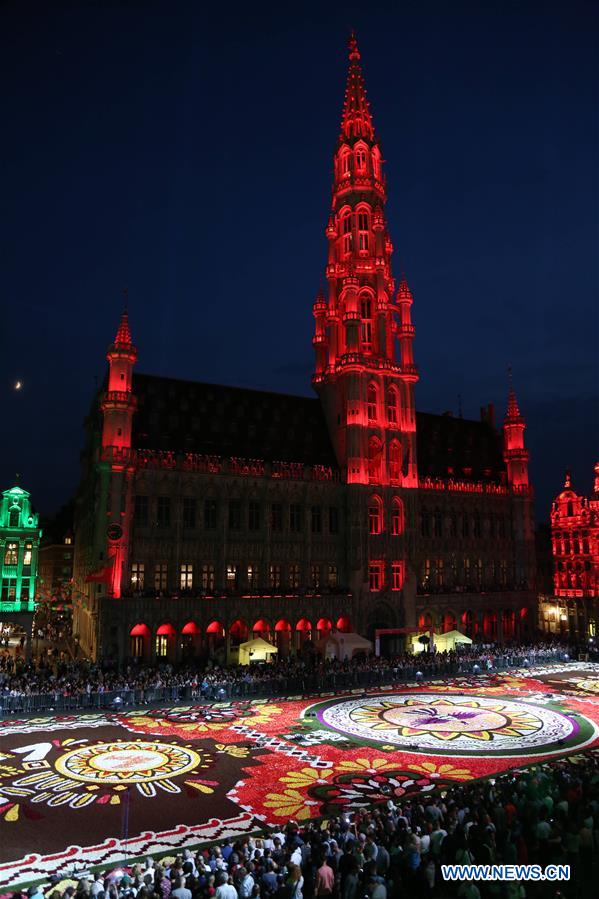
{"x": 442, "y": 642}
{"x": 257, "y": 650}
{"x": 340, "y": 646}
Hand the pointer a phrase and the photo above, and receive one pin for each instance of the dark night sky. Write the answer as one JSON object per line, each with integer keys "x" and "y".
{"x": 187, "y": 154}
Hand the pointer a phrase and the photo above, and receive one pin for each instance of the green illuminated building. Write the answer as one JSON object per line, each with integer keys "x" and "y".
{"x": 19, "y": 539}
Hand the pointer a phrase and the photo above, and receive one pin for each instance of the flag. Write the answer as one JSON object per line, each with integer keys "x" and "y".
{"x": 101, "y": 575}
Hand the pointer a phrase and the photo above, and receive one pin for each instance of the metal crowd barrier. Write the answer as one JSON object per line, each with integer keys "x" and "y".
{"x": 308, "y": 682}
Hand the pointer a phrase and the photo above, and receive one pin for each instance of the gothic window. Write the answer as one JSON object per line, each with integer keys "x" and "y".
{"x": 396, "y": 575}
{"x": 333, "y": 520}
{"x": 425, "y": 524}
{"x": 140, "y": 515}
{"x": 254, "y": 516}
{"x": 13, "y": 521}
{"x": 363, "y": 231}
{"x": 376, "y": 164}
{"x": 295, "y": 518}
{"x": 366, "y": 324}
{"x": 10, "y": 556}
{"x": 332, "y": 575}
{"x": 210, "y": 514}
{"x": 189, "y": 512}
{"x": 294, "y": 576}
{"x": 371, "y": 402}
{"x": 163, "y": 513}
{"x": 138, "y": 575}
{"x": 235, "y": 514}
{"x": 346, "y": 233}
{"x": 160, "y": 576}
{"x": 28, "y": 553}
{"x": 375, "y": 515}
{"x": 439, "y": 572}
{"x": 345, "y": 163}
{"x": 208, "y": 577}
{"x": 316, "y": 519}
{"x": 276, "y": 517}
{"x": 252, "y": 576}
{"x": 375, "y": 450}
{"x": 437, "y": 524}
{"x": 274, "y": 576}
{"x": 396, "y": 517}
{"x": 360, "y": 156}
{"x": 231, "y": 576}
{"x": 395, "y": 461}
{"x": 375, "y": 576}
{"x": 186, "y": 576}
{"x": 315, "y": 576}
{"x": 392, "y": 404}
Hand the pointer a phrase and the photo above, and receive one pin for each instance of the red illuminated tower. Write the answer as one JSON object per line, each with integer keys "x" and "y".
{"x": 514, "y": 452}
{"x": 365, "y": 372}
{"x": 516, "y": 460}
{"x": 118, "y": 406}
{"x": 366, "y": 387}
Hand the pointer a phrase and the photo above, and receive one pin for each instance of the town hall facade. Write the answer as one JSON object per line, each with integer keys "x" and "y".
{"x": 207, "y": 514}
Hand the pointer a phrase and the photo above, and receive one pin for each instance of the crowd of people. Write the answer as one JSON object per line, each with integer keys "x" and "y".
{"x": 546, "y": 814}
{"x": 68, "y": 679}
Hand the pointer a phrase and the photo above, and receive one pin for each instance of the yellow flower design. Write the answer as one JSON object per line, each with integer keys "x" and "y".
{"x": 289, "y": 804}
{"x": 362, "y": 766}
{"x": 307, "y": 777}
{"x": 238, "y": 752}
{"x": 263, "y": 714}
{"x": 430, "y": 769}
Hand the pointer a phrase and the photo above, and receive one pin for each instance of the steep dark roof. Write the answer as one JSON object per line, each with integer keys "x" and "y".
{"x": 188, "y": 416}
{"x": 447, "y": 443}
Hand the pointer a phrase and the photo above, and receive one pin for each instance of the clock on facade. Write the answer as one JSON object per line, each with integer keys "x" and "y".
{"x": 114, "y": 532}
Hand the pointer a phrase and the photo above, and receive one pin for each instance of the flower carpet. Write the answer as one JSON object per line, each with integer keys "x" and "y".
{"x": 97, "y": 789}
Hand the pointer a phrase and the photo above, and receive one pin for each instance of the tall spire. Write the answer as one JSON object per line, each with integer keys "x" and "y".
{"x": 513, "y": 410}
{"x": 356, "y": 120}
{"x": 123, "y": 334}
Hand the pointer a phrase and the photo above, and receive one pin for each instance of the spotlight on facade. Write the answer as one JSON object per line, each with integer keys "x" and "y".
{"x": 526, "y": 663}
{"x": 117, "y": 702}
{"x": 476, "y": 669}
{"x": 419, "y": 675}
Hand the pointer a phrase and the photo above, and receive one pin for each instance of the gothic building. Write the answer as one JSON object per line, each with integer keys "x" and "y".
{"x": 574, "y": 607}
{"x": 207, "y": 513}
{"x": 19, "y": 540}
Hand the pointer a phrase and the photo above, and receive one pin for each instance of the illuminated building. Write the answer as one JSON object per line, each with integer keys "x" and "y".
{"x": 250, "y": 512}
{"x": 574, "y": 607}
{"x": 19, "y": 539}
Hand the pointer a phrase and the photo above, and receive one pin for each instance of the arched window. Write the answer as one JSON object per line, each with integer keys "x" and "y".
{"x": 396, "y": 516}
{"x": 395, "y": 461}
{"x": 376, "y": 163}
{"x": 13, "y": 520}
{"x": 360, "y": 157}
{"x": 372, "y": 402}
{"x": 570, "y": 510}
{"x": 375, "y": 515}
{"x": 375, "y": 451}
{"x": 344, "y": 163}
{"x": 366, "y": 324}
{"x": 392, "y": 406}
{"x": 363, "y": 230}
{"x": 346, "y": 233}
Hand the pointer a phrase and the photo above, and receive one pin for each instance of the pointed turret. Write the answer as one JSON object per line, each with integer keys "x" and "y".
{"x": 356, "y": 120}
{"x": 123, "y": 335}
{"x": 514, "y": 452}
